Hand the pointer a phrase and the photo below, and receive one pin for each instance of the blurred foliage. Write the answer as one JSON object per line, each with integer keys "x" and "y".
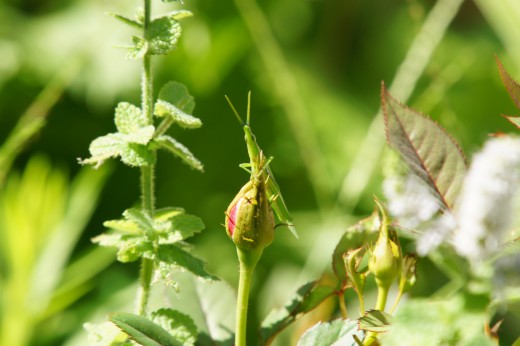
{"x": 337, "y": 52}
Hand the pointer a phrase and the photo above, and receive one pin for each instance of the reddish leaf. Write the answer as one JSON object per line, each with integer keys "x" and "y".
{"x": 428, "y": 150}
{"x": 513, "y": 120}
{"x": 512, "y": 86}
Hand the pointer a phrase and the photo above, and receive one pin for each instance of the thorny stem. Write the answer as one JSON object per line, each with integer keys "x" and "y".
{"x": 147, "y": 172}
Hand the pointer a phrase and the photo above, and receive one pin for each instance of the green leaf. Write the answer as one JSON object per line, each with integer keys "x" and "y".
{"x": 211, "y": 304}
{"x": 123, "y": 227}
{"x": 162, "y": 35}
{"x": 164, "y": 214}
{"x": 139, "y": 49}
{"x": 103, "y": 148}
{"x": 336, "y": 333}
{"x": 177, "y": 15}
{"x": 183, "y": 226}
{"x": 430, "y": 153}
{"x": 174, "y": 255}
{"x": 512, "y": 86}
{"x": 179, "y": 150}
{"x": 137, "y": 155}
{"x": 142, "y": 330}
{"x": 127, "y": 20}
{"x": 175, "y": 101}
{"x": 362, "y": 233}
{"x": 307, "y": 297}
{"x": 179, "y": 325}
{"x": 375, "y": 321}
{"x": 130, "y": 248}
{"x": 139, "y": 218}
{"x": 106, "y": 333}
{"x": 442, "y": 322}
{"x": 129, "y": 119}
{"x": 514, "y": 120}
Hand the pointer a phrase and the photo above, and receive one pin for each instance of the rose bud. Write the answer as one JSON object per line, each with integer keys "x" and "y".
{"x": 386, "y": 259}
{"x": 249, "y": 217}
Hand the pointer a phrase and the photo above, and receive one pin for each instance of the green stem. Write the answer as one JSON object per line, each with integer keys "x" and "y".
{"x": 147, "y": 268}
{"x": 146, "y": 77}
{"x": 382, "y": 295}
{"x": 148, "y": 189}
{"x": 147, "y": 172}
{"x": 163, "y": 126}
{"x": 342, "y": 305}
{"x": 361, "y": 302}
{"x": 248, "y": 260}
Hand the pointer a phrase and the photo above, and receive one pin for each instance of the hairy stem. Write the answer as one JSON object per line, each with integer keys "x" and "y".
{"x": 147, "y": 172}
{"x": 248, "y": 260}
{"x": 146, "y": 274}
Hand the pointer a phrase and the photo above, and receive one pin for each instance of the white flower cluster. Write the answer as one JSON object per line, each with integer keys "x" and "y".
{"x": 485, "y": 208}
{"x": 487, "y": 199}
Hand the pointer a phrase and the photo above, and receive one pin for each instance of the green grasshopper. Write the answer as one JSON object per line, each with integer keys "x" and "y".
{"x": 257, "y": 165}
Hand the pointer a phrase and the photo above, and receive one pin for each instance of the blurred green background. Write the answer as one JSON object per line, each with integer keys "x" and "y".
{"x": 314, "y": 68}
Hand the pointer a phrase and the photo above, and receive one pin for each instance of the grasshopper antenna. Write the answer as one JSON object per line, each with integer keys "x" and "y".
{"x": 248, "y": 107}
{"x": 235, "y": 111}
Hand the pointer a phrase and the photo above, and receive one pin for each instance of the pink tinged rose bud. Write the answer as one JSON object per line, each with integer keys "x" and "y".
{"x": 249, "y": 217}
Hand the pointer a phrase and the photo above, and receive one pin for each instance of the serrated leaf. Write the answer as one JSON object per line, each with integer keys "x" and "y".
{"x": 126, "y": 20}
{"x": 211, "y": 304}
{"x": 138, "y": 217}
{"x": 441, "y": 322}
{"x": 174, "y": 255}
{"x": 175, "y": 101}
{"x": 139, "y": 49}
{"x": 129, "y": 118}
{"x": 336, "y": 333}
{"x": 163, "y": 108}
{"x": 142, "y": 330}
{"x": 375, "y": 321}
{"x": 510, "y": 248}
{"x": 363, "y": 232}
{"x": 512, "y": 86}
{"x": 307, "y": 297}
{"x": 153, "y": 228}
{"x": 513, "y": 120}
{"x": 179, "y": 150}
{"x": 167, "y": 213}
{"x": 103, "y": 148}
{"x": 179, "y": 14}
{"x": 429, "y": 152}
{"x": 183, "y": 227}
{"x": 137, "y": 155}
{"x": 179, "y": 325}
{"x": 162, "y": 35}
{"x": 123, "y": 226}
{"x": 106, "y": 333}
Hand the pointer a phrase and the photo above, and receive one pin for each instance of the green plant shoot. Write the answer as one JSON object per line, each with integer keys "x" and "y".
{"x": 256, "y": 166}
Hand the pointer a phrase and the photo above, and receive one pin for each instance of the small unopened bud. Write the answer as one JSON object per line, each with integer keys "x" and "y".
{"x": 249, "y": 217}
{"x": 352, "y": 261}
{"x": 386, "y": 260}
{"x": 408, "y": 274}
